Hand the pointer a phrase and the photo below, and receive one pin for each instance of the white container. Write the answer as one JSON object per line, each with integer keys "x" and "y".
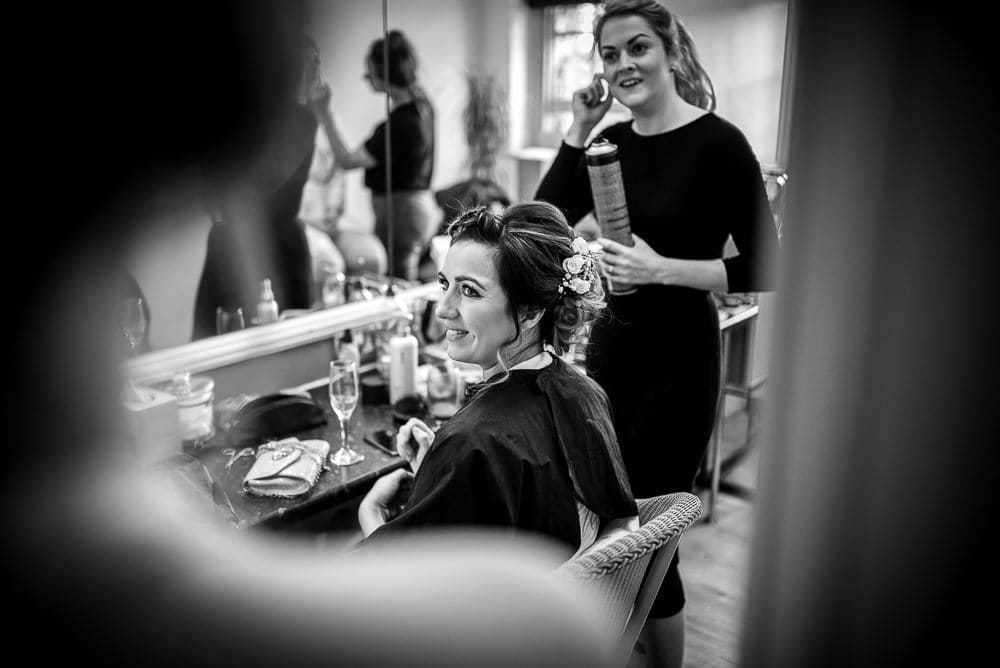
{"x": 195, "y": 403}
{"x": 267, "y": 307}
{"x": 151, "y": 416}
{"x": 403, "y": 349}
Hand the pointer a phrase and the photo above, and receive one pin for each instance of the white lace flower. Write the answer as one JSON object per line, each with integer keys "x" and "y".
{"x": 579, "y": 286}
{"x": 574, "y": 264}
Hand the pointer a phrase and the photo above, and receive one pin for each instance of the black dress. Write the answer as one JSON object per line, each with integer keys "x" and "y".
{"x": 657, "y": 351}
{"x": 518, "y": 456}
{"x": 241, "y": 253}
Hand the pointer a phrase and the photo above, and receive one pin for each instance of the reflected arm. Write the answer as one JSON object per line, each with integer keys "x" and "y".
{"x": 346, "y": 158}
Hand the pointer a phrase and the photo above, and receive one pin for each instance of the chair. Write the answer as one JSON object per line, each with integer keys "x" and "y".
{"x": 627, "y": 572}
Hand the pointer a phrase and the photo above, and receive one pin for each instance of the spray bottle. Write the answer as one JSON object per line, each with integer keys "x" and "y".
{"x": 403, "y": 351}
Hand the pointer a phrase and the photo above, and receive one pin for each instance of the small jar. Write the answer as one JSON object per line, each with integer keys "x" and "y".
{"x": 195, "y": 403}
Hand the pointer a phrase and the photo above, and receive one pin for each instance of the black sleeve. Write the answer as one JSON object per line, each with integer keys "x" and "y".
{"x": 751, "y": 224}
{"x": 375, "y": 145}
{"x": 408, "y": 138}
{"x": 566, "y": 184}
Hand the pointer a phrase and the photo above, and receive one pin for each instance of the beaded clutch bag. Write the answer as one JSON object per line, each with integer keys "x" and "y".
{"x": 286, "y": 468}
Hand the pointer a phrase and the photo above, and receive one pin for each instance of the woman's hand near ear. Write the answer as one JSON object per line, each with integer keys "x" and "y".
{"x": 589, "y": 104}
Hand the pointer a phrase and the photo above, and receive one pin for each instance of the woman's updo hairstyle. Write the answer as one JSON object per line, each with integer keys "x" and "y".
{"x": 402, "y": 59}
{"x": 531, "y": 241}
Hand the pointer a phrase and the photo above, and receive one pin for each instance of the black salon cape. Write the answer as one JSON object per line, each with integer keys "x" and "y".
{"x": 518, "y": 456}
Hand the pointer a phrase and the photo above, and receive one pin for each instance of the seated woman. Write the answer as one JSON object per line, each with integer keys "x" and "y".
{"x": 533, "y": 448}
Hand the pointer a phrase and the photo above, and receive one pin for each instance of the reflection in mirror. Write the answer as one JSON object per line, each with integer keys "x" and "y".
{"x": 288, "y": 213}
{"x": 397, "y": 157}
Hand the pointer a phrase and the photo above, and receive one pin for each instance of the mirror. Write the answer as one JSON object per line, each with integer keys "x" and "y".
{"x": 167, "y": 261}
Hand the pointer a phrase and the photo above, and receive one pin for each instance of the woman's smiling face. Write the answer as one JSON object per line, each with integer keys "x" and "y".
{"x": 635, "y": 61}
{"x": 474, "y": 306}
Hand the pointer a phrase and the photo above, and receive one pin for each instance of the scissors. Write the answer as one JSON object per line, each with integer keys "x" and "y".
{"x": 235, "y": 455}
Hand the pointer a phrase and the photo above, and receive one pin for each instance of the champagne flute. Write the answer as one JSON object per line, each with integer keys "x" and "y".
{"x": 344, "y": 392}
{"x": 133, "y": 322}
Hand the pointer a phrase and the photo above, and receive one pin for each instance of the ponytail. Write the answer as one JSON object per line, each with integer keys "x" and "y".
{"x": 690, "y": 78}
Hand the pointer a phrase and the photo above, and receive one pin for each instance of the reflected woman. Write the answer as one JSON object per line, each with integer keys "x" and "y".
{"x": 411, "y": 139}
{"x": 256, "y": 231}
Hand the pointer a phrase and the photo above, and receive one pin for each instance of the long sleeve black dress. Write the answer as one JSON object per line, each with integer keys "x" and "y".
{"x": 240, "y": 253}
{"x": 657, "y": 353}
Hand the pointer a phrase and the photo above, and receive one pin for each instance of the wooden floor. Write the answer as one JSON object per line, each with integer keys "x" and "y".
{"x": 714, "y": 560}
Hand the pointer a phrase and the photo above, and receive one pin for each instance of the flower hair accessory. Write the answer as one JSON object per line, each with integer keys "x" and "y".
{"x": 579, "y": 268}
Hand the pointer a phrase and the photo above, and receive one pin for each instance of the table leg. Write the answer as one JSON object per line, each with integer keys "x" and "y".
{"x": 714, "y": 453}
{"x": 748, "y": 380}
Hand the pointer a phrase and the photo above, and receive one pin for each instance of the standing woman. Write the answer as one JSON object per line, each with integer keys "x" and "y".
{"x": 256, "y": 231}
{"x": 691, "y": 180}
{"x": 411, "y": 119}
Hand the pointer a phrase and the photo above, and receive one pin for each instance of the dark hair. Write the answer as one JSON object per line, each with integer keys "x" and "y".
{"x": 402, "y": 60}
{"x": 531, "y": 241}
{"x": 690, "y": 78}
{"x": 402, "y": 64}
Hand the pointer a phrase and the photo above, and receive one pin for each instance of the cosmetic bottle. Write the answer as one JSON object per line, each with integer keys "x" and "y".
{"x": 267, "y": 307}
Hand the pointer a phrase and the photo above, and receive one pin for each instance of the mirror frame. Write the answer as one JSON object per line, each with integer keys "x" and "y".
{"x": 226, "y": 349}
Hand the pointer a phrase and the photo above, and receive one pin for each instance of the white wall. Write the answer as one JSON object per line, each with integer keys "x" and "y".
{"x": 741, "y": 44}
{"x": 167, "y": 263}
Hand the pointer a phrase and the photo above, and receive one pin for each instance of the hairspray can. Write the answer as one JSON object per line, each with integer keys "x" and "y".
{"x": 609, "y": 198}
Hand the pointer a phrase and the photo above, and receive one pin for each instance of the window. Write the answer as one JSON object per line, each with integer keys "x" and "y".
{"x": 569, "y": 62}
